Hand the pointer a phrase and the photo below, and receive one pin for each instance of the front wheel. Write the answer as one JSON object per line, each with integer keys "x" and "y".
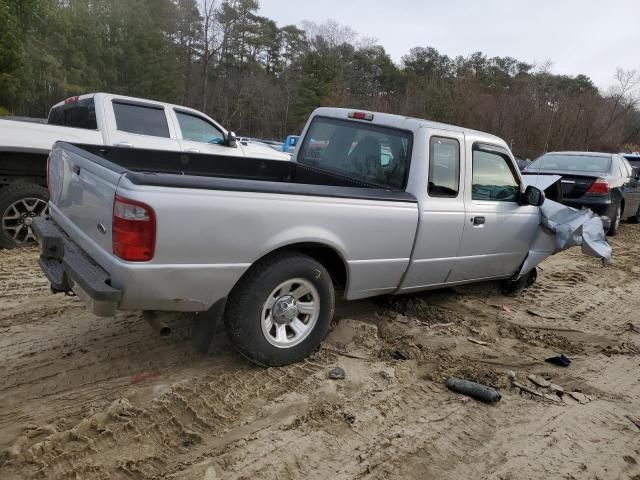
{"x": 280, "y": 310}
{"x": 615, "y": 221}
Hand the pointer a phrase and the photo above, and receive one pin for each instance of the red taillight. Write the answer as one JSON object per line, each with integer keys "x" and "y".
{"x": 133, "y": 230}
{"x": 69, "y": 100}
{"x": 599, "y": 187}
{"x": 361, "y": 115}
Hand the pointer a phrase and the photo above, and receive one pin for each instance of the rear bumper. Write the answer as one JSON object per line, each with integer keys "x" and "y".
{"x": 602, "y": 206}
{"x": 69, "y": 268}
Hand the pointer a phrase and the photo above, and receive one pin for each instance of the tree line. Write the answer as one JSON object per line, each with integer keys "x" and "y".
{"x": 263, "y": 80}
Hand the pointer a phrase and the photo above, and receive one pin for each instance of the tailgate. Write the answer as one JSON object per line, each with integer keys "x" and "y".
{"x": 82, "y": 190}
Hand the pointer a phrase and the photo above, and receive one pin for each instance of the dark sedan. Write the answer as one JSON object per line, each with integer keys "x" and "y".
{"x": 633, "y": 159}
{"x": 603, "y": 182}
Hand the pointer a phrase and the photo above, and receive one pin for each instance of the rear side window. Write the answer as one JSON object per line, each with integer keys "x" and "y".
{"x": 196, "y": 129}
{"x": 444, "y": 167}
{"x": 493, "y": 178}
{"x": 366, "y": 152}
{"x": 141, "y": 119}
{"x": 78, "y": 114}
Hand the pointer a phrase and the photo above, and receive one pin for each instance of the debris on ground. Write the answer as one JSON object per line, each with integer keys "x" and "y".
{"x": 539, "y": 381}
{"x": 560, "y": 360}
{"x": 538, "y": 312}
{"x": 337, "y": 373}
{"x": 474, "y": 390}
{"x": 580, "y": 397}
{"x": 399, "y": 355}
{"x": 476, "y": 341}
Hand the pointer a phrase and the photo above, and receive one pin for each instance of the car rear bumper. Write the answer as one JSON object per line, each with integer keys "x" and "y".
{"x": 602, "y": 206}
{"x": 69, "y": 268}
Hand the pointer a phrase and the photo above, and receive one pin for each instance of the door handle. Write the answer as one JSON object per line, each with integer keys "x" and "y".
{"x": 192, "y": 150}
{"x": 478, "y": 221}
{"x": 76, "y": 169}
{"x": 123, "y": 144}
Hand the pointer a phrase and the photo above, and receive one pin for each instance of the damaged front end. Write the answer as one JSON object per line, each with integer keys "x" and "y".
{"x": 563, "y": 227}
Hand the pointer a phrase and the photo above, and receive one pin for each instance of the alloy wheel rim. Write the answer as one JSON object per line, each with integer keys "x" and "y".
{"x": 17, "y": 219}
{"x": 290, "y": 313}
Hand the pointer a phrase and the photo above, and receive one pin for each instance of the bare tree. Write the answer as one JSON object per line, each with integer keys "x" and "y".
{"x": 210, "y": 44}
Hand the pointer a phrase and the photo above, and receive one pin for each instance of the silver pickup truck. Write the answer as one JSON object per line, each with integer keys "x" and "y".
{"x": 370, "y": 204}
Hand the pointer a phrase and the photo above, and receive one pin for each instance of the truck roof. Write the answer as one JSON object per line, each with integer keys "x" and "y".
{"x": 407, "y": 123}
{"x": 141, "y": 100}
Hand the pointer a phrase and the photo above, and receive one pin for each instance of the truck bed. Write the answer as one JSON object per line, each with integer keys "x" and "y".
{"x": 203, "y": 171}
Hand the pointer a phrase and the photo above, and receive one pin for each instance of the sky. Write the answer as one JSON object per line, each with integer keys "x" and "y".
{"x": 577, "y": 36}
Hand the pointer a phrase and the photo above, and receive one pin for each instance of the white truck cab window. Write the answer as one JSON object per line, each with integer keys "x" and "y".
{"x": 141, "y": 119}
{"x": 196, "y": 129}
{"x": 493, "y": 178}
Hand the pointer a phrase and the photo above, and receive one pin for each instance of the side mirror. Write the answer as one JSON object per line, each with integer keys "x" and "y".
{"x": 232, "y": 140}
{"x": 532, "y": 196}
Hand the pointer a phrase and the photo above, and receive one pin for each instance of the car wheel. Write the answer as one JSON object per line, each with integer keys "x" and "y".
{"x": 280, "y": 310}
{"x": 513, "y": 288}
{"x": 20, "y": 203}
{"x": 615, "y": 222}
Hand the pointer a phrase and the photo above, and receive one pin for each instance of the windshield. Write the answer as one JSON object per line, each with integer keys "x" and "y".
{"x": 572, "y": 163}
{"x": 366, "y": 152}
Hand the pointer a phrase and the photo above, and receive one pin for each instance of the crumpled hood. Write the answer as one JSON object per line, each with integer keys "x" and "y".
{"x": 260, "y": 150}
{"x": 563, "y": 227}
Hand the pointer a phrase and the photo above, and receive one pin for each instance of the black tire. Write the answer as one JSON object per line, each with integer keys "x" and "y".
{"x": 9, "y": 196}
{"x": 244, "y": 309}
{"x": 636, "y": 217}
{"x": 615, "y": 221}
{"x": 513, "y": 288}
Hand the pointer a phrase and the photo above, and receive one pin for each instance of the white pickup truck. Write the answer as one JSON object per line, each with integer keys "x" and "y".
{"x": 98, "y": 119}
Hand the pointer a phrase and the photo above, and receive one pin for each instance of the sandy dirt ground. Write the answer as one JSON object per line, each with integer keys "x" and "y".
{"x": 86, "y": 397}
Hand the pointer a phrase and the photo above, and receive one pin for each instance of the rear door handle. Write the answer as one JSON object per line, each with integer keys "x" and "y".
{"x": 192, "y": 150}
{"x": 478, "y": 220}
{"x": 76, "y": 169}
{"x": 123, "y": 144}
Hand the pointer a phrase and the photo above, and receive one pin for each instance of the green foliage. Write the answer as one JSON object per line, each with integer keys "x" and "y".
{"x": 263, "y": 80}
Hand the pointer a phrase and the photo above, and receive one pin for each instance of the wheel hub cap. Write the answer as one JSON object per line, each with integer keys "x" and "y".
{"x": 285, "y": 309}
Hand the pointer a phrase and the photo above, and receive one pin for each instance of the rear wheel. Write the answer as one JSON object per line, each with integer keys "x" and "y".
{"x": 281, "y": 309}
{"x": 20, "y": 204}
{"x": 615, "y": 221}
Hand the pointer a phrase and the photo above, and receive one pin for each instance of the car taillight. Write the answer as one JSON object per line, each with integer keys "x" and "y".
{"x": 361, "y": 116}
{"x": 133, "y": 230}
{"x": 70, "y": 100}
{"x": 599, "y": 187}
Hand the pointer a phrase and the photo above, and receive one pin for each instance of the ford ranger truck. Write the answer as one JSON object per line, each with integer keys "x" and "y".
{"x": 98, "y": 119}
{"x": 370, "y": 204}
